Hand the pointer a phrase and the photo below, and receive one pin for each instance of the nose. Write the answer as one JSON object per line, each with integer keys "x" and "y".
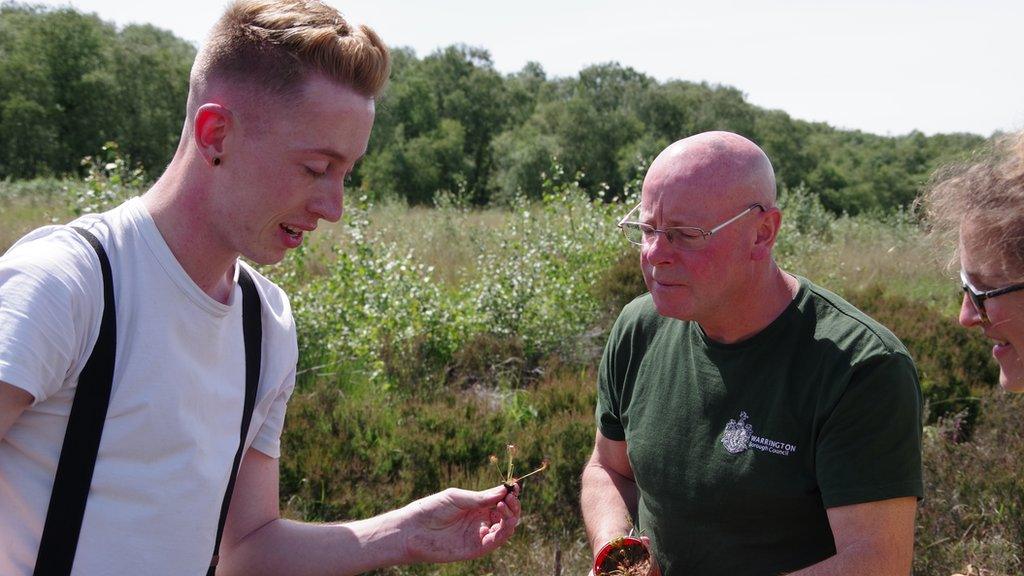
{"x": 657, "y": 250}
{"x": 328, "y": 204}
{"x": 969, "y": 314}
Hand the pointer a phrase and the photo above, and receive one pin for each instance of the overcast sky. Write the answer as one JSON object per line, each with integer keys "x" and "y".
{"x": 887, "y": 67}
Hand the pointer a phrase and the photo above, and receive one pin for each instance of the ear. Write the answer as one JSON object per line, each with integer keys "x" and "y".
{"x": 213, "y": 123}
{"x": 767, "y": 233}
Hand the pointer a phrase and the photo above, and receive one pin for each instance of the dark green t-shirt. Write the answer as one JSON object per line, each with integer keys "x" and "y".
{"x": 737, "y": 450}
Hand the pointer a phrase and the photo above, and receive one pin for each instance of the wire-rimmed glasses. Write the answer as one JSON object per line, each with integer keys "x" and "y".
{"x": 682, "y": 237}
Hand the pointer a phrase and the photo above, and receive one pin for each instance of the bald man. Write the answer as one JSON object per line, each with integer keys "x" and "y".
{"x": 751, "y": 422}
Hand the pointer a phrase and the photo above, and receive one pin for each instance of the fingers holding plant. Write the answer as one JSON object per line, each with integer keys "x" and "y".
{"x": 508, "y": 478}
{"x": 460, "y": 524}
{"x": 508, "y": 510}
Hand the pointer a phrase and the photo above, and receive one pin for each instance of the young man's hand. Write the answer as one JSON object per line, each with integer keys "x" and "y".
{"x": 460, "y": 524}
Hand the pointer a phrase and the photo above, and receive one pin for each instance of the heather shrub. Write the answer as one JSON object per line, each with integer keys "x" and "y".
{"x": 621, "y": 282}
{"x": 971, "y": 520}
{"x": 806, "y": 224}
{"x": 361, "y": 453}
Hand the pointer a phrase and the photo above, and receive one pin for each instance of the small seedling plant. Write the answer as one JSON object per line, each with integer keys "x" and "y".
{"x": 508, "y": 477}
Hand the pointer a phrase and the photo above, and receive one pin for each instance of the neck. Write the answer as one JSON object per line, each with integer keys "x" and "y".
{"x": 759, "y": 304}
{"x": 179, "y": 209}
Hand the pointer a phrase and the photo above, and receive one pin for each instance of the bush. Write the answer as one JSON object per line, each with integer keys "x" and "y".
{"x": 806, "y": 225}
{"x": 973, "y": 510}
{"x": 621, "y": 282}
{"x": 354, "y": 455}
{"x": 111, "y": 178}
{"x": 489, "y": 359}
{"x": 377, "y": 309}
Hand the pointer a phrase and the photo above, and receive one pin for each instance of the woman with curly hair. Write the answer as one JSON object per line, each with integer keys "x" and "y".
{"x": 980, "y": 204}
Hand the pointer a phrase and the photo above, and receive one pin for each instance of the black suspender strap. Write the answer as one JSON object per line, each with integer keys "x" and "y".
{"x": 89, "y": 411}
{"x": 81, "y": 439}
{"x": 252, "y": 327}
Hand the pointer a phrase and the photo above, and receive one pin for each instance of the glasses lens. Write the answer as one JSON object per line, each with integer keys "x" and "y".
{"x": 633, "y": 232}
{"x": 686, "y": 238}
{"x": 976, "y": 301}
{"x": 979, "y": 304}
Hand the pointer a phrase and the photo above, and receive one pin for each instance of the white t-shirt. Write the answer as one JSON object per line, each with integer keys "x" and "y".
{"x": 175, "y": 409}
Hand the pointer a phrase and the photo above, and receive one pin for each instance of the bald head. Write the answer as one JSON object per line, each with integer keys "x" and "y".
{"x": 725, "y": 278}
{"x": 714, "y": 168}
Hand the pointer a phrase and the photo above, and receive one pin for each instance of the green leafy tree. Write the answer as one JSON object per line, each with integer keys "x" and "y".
{"x": 70, "y": 82}
{"x": 422, "y": 166}
{"x": 786, "y": 143}
{"x": 448, "y": 122}
{"x": 452, "y": 96}
{"x": 152, "y": 67}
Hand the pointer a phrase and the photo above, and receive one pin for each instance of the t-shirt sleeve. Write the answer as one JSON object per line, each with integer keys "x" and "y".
{"x": 609, "y": 388}
{"x": 50, "y": 304}
{"x": 283, "y": 342}
{"x": 268, "y": 439}
{"x": 869, "y": 448}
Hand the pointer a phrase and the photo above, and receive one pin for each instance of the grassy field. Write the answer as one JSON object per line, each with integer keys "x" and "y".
{"x": 429, "y": 338}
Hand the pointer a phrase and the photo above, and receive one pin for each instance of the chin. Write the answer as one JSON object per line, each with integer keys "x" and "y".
{"x": 1011, "y": 375}
{"x": 269, "y": 260}
{"x": 1012, "y": 383}
{"x": 670, "y": 310}
{"x": 265, "y": 258}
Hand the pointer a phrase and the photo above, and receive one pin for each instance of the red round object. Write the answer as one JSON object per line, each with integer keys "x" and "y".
{"x": 621, "y": 554}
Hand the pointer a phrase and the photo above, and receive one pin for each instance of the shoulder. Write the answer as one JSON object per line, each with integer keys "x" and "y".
{"x": 640, "y": 314}
{"x": 56, "y": 256}
{"x": 61, "y": 249}
{"x": 848, "y": 329}
{"x": 860, "y": 359}
{"x": 51, "y": 291}
{"x": 277, "y": 310}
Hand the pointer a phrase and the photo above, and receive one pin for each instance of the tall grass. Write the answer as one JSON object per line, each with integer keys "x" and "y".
{"x": 25, "y": 206}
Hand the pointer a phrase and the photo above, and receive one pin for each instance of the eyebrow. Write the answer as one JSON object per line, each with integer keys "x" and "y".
{"x": 984, "y": 281}
{"x": 334, "y": 154}
{"x": 672, "y": 222}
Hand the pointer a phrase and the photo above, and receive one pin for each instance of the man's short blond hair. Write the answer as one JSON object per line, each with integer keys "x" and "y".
{"x": 273, "y": 45}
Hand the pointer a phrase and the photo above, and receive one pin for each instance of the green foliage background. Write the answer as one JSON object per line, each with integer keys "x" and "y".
{"x": 448, "y": 122}
{"x": 433, "y": 329}
{"x": 430, "y": 337}
{"x": 70, "y": 82}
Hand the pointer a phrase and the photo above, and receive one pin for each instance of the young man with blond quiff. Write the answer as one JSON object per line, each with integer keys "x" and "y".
{"x": 280, "y": 108}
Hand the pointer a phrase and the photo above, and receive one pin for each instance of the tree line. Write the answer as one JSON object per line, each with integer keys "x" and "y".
{"x": 447, "y": 122}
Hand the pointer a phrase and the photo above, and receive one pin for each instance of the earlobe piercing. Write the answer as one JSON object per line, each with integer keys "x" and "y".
{"x": 216, "y": 161}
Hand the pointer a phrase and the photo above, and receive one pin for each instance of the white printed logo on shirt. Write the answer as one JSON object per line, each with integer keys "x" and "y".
{"x": 739, "y": 436}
